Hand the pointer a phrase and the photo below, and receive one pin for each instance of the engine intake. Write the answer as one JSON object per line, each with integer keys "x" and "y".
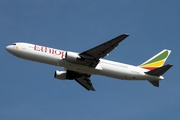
{"x": 60, "y": 75}
{"x": 72, "y": 56}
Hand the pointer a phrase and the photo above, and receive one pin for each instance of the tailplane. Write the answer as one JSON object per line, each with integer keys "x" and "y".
{"x": 155, "y": 65}
{"x": 156, "y": 61}
{"x": 159, "y": 71}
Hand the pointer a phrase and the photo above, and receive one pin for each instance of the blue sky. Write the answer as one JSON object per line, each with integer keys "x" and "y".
{"x": 28, "y": 89}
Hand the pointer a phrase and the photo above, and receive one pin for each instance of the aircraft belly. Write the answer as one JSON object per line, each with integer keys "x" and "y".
{"x": 114, "y": 72}
{"x": 128, "y": 73}
{"x": 79, "y": 68}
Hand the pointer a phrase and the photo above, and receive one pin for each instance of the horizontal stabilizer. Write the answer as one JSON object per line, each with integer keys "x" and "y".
{"x": 155, "y": 83}
{"x": 159, "y": 71}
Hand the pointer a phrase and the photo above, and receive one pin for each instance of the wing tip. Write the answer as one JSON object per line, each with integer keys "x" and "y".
{"x": 125, "y": 34}
{"x": 91, "y": 90}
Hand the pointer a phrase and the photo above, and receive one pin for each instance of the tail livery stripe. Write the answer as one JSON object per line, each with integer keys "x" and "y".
{"x": 156, "y": 61}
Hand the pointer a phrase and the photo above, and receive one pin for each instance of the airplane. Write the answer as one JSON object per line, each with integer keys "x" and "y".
{"x": 80, "y": 66}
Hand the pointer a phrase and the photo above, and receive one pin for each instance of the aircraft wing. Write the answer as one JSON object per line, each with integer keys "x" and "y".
{"x": 94, "y": 54}
{"x": 91, "y": 58}
{"x": 82, "y": 79}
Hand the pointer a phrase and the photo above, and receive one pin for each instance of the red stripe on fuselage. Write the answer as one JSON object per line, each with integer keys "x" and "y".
{"x": 149, "y": 68}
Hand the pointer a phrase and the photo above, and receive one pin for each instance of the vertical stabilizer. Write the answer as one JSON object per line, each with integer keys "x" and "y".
{"x": 156, "y": 61}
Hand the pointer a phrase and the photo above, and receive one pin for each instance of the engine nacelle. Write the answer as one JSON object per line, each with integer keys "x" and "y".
{"x": 72, "y": 56}
{"x": 60, "y": 75}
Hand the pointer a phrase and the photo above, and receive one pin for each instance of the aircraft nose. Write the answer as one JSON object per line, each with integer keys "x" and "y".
{"x": 9, "y": 48}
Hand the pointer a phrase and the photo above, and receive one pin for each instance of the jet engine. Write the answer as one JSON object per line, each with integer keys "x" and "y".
{"x": 72, "y": 56}
{"x": 60, "y": 75}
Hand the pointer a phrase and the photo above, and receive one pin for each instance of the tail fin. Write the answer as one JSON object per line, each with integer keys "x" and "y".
{"x": 156, "y": 61}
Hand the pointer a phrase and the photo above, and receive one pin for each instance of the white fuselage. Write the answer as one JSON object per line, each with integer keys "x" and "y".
{"x": 57, "y": 57}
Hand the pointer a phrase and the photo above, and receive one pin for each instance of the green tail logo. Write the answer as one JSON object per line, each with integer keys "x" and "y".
{"x": 156, "y": 61}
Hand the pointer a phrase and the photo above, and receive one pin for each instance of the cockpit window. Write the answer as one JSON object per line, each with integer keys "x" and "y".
{"x": 14, "y": 43}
